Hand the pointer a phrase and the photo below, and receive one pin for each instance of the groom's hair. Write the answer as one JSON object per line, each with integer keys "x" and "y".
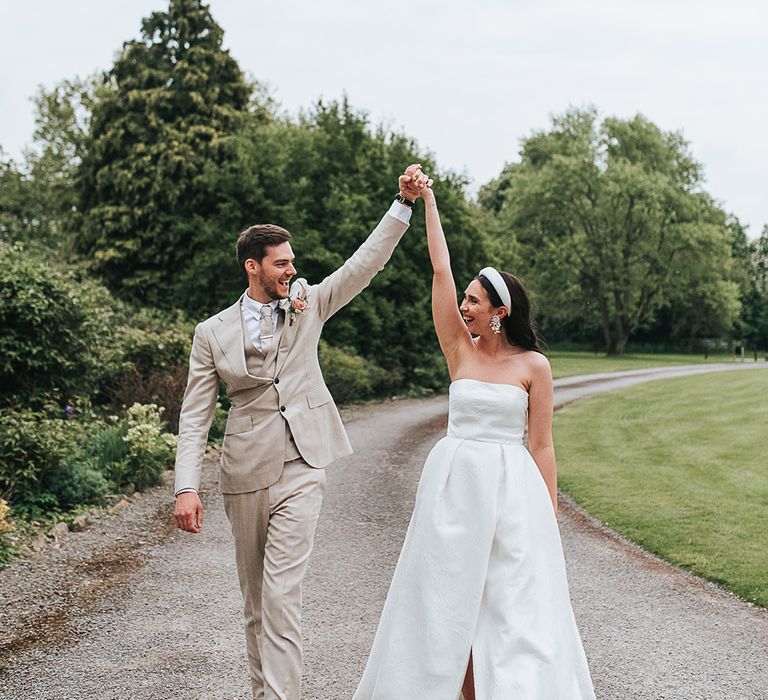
{"x": 254, "y": 241}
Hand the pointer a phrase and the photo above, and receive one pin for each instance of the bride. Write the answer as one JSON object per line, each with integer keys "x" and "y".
{"x": 479, "y": 601}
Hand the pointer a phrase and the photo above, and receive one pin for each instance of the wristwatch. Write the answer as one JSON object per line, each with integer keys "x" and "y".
{"x": 403, "y": 200}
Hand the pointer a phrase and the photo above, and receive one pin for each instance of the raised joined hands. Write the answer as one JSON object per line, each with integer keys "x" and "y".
{"x": 413, "y": 182}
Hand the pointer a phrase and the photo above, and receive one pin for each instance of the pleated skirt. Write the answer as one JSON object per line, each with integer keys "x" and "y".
{"x": 481, "y": 570}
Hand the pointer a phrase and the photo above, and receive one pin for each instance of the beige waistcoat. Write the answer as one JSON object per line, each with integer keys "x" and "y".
{"x": 257, "y": 363}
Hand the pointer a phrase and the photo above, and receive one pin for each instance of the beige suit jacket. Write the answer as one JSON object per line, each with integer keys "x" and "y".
{"x": 254, "y": 443}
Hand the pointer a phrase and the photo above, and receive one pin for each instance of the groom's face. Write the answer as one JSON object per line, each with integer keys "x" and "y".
{"x": 275, "y": 270}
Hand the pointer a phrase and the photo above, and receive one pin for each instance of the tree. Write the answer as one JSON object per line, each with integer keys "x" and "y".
{"x": 176, "y": 97}
{"x": 38, "y": 201}
{"x": 18, "y": 213}
{"x": 62, "y": 119}
{"x": 754, "y": 319}
{"x": 613, "y": 225}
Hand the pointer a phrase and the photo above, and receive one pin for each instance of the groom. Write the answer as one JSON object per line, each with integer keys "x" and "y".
{"x": 282, "y": 430}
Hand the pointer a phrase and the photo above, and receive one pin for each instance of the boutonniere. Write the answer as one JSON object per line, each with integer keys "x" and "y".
{"x": 297, "y": 304}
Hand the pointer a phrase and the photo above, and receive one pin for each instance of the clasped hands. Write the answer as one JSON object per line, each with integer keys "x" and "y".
{"x": 413, "y": 182}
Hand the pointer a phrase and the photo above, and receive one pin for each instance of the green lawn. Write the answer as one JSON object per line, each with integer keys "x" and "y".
{"x": 565, "y": 364}
{"x": 679, "y": 466}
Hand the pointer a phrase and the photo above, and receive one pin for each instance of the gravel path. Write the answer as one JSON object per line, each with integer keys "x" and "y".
{"x": 132, "y": 608}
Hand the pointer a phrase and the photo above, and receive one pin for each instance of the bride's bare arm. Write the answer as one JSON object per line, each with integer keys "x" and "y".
{"x": 451, "y": 330}
{"x": 540, "y": 405}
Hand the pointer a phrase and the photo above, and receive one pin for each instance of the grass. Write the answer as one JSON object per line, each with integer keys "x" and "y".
{"x": 565, "y": 364}
{"x": 681, "y": 467}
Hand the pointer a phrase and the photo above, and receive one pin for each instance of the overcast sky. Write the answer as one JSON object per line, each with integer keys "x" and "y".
{"x": 466, "y": 78}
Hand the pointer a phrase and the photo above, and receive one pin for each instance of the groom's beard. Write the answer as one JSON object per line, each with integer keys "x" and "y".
{"x": 272, "y": 287}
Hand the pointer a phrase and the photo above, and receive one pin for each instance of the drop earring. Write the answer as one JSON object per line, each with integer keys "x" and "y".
{"x": 496, "y": 324}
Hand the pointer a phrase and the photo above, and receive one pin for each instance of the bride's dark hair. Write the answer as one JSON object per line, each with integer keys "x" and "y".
{"x": 518, "y": 323}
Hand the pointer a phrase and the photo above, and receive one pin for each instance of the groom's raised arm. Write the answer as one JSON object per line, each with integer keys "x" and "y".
{"x": 343, "y": 285}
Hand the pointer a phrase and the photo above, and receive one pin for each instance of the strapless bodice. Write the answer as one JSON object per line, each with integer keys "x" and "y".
{"x": 485, "y": 411}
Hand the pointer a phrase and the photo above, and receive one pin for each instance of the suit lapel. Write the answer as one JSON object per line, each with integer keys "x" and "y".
{"x": 287, "y": 336}
{"x": 229, "y": 335}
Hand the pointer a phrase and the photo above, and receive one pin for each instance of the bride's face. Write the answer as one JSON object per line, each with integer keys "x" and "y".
{"x": 476, "y": 309}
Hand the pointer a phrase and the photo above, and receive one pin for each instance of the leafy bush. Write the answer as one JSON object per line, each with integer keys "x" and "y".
{"x": 150, "y": 449}
{"x": 5, "y": 524}
{"x": 346, "y": 374}
{"x": 63, "y": 337}
{"x": 55, "y": 328}
{"x": 151, "y": 351}
{"x": 107, "y": 446}
{"x": 76, "y": 482}
{"x": 353, "y": 378}
{"x": 5, "y": 527}
{"x": 42, "y": 465}
{"x": 49, "y": 464}
{"x": 154, "y": 340}
{"x": 32, "y": 448}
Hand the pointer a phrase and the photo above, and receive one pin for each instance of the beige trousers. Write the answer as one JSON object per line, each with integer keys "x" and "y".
{"x": 274, "y": 529}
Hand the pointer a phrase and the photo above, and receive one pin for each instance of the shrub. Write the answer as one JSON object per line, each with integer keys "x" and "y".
{"x": 5, "y": 527}
{"x": 5, "y": 524}
{"x": 155, "y": 340}
{"x": 43, "y": 466}
{"x": 353, "y": 378}
{"x": 345, "y": 373}
{"x": 32, "y": 448}
{"x": 106, "y": 446}
{"x": 160, "y": 387}
{"x": 150, "y": 364}
{"x": 49, "y": 464}
{"x": 77, "y": 482}
{"x": 150, "y": 449}
{"x": 55, "y": 327}
{"x": 63, "y": 336}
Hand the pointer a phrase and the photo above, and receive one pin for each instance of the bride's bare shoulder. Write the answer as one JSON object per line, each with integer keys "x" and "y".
{"x": 537, "y": 363}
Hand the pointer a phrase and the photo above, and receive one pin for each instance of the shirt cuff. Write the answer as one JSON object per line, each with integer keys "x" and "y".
{"x": 401, "y": 212}
{"x": 185, "y": 491}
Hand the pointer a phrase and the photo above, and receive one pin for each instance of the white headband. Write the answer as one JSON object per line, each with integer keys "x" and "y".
{"x": 498, "y": 283}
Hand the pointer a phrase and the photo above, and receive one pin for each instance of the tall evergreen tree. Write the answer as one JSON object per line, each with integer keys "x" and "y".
{"x": 177, "y": 97}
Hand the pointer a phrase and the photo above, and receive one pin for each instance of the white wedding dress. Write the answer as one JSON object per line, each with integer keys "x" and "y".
{"x": 481, "y": 569}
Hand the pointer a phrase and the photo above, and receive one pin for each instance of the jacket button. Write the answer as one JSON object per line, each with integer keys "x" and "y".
{"x": 277, "y": 380}
{"x": 282, "y": 408}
